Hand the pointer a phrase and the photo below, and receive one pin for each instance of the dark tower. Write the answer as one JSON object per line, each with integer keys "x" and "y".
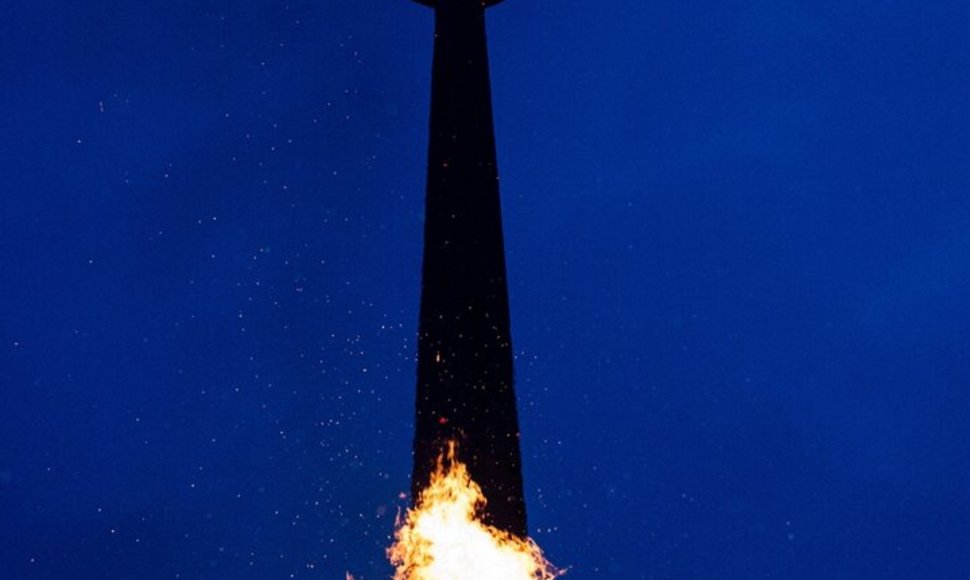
{"x": 465, "y": 387}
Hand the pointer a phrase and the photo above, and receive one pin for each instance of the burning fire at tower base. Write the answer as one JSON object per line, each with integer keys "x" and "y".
{"x": 443, "y": 537}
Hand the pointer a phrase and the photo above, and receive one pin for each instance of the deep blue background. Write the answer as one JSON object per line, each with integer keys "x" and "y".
{"x": 739, "y": 250}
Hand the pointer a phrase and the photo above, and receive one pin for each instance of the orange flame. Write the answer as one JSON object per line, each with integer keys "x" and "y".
{"x": 443, "y": 537}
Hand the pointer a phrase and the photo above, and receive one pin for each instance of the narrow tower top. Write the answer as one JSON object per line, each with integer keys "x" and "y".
{"x": 436, "y": 3}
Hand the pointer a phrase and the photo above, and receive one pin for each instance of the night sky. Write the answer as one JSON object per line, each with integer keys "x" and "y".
{"x": 738, "y": 242}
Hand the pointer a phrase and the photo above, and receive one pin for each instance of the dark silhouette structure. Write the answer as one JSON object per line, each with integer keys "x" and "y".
{"x": 465, "y": 389}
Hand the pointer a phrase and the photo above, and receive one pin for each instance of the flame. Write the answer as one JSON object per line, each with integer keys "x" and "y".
{"x": 443, "y": 537}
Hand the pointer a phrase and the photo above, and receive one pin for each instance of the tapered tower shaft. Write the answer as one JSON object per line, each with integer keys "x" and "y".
{"x": 465, "y": 389}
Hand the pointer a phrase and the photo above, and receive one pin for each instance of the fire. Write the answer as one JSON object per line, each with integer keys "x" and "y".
{"x": 443, "y": 537}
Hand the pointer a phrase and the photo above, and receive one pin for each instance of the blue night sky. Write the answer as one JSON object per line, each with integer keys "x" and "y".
{"x": 738, "y": 244}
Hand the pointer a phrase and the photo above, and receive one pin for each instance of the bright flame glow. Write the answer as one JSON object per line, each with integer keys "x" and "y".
{"x": 443, "y": 537}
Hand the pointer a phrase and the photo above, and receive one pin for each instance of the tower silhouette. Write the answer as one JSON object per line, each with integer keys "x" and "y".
{"x": 465, "y": 380}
